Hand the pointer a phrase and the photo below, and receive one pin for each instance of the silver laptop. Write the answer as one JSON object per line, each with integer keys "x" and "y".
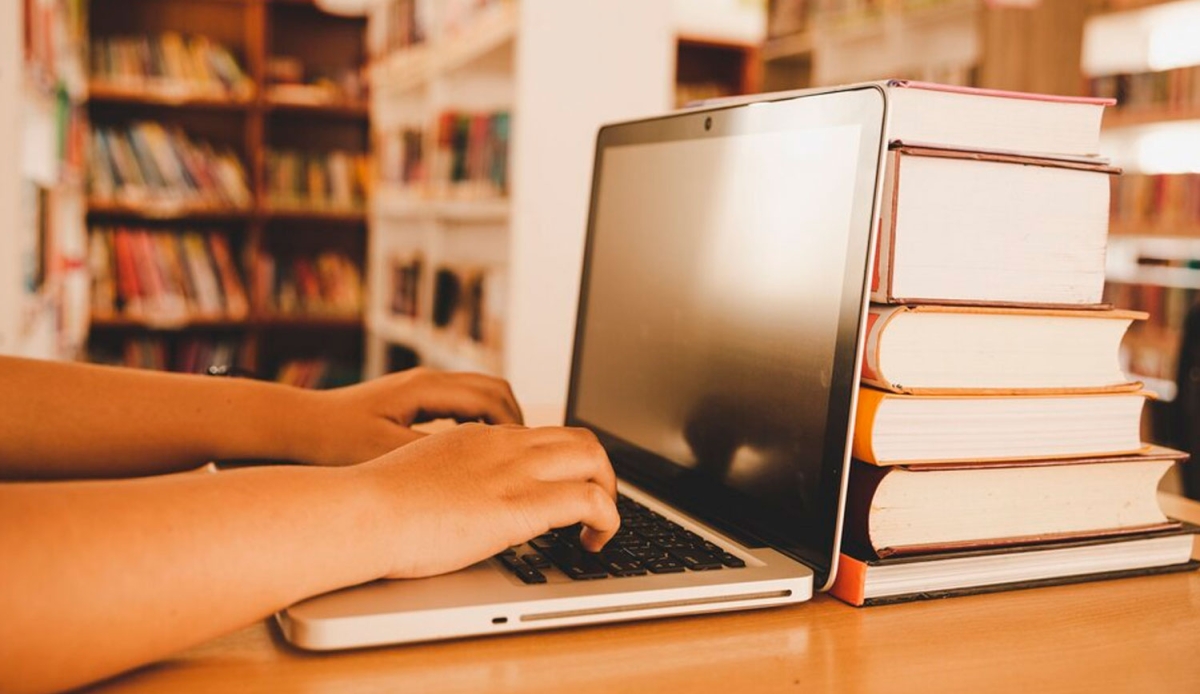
{"x": 716, "y": 357}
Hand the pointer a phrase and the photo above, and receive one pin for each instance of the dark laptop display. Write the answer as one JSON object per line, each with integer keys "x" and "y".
{"x": 729, "y": 392}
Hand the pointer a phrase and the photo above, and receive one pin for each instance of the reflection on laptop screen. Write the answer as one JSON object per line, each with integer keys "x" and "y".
{"x": 713, "y": 297}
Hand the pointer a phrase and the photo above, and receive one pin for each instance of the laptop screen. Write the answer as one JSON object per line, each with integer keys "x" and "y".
{"x": 723, "y": 287}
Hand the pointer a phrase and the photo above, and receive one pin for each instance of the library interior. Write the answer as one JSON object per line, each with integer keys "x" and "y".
{"x": 320, "y": 193}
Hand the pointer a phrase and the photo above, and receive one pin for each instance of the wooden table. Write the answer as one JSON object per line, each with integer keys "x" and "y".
{"x": 1140, "y": 634}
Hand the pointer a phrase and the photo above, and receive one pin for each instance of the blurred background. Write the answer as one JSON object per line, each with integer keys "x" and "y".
{"x": 318, "y": 191}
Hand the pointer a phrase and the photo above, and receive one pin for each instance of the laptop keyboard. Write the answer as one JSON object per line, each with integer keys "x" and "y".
{"x": 647, "y": 543}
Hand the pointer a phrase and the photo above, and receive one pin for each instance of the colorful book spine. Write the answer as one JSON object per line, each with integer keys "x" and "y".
{"x": 144, "y": 164}
{"x": 164, "y": 277}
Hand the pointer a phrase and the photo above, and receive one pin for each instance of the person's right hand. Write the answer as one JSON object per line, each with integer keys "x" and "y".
{"x": 457, "y": 497}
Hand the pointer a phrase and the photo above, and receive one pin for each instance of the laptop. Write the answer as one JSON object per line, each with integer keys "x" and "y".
{"x": 716, "y": 357}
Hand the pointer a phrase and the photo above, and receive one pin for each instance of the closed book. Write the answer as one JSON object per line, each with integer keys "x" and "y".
{"x": 990, "y": 227}
{"x": 892, "y": 429}
{"x": 973, "y": 118}
{"x": 931, "y": 349}
{"x": 864, "y": 581}
{"x": 921, "y": 509}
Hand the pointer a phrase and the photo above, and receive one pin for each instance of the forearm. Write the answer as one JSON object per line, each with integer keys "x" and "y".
{"x": 103, "y": 576}
{"x": 61, "y": 420}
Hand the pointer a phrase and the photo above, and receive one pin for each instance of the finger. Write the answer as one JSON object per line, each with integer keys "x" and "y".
{"x": 561, "y": 504}
{"x": 566, "y": 455}
{"x": 466, "y": 398}
{"x": 499, "y": 389}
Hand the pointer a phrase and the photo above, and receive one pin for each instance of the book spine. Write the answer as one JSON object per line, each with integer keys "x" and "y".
{"x": 869, "y": 402}
{"x": 877, "y": 320}
{"x": 850, "y": 584}
{"x": 881, "y": 276}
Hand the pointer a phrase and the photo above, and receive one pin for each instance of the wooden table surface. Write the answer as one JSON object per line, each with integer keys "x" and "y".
{"x": 1140, "y": 634}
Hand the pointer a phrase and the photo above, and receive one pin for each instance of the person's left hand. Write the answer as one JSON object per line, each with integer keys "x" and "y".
{"x": 364, "y": 421}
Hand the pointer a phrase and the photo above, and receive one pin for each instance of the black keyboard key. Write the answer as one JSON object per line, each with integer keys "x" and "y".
{"x": 621, "y": 563}
{"x": 537, "y": 561}
{"x": 666, "y": 565}
{"x": 696, "y": 560}
{"x": 731, "y": 561}
{"x": 526, "y": 573}
{"x": 574, "y": 562}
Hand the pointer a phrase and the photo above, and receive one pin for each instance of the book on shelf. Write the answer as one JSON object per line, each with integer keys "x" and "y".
{"x": 187, "y": 355}
{"x": 866, "y": 581}
{"x": 471, "y": 155}
{"x": 327, "y": 284}
{"x": 334, "y": 180}
{"x": 468, "y": 304}
{"x": 894, "y": 429}
{"x": 927, "y": 349}
{"x": 406, "y": 274}
{"x": 1167, "y": 90}
{"x": 920, "y": 509}
{"x": 164, "y": 277}
{"x": 316, "y": 373}
{"x": 169, "y": 65}
{"x": 402, "y": 157}
{"x": 146, "y": 165}
{"x": 990, "y": 227}
{"x": 1162, "y": 204}
{"x": 403, "y": 24}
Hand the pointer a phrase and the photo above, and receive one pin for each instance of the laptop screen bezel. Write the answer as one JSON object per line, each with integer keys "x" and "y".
{"x": 866, "y": 106}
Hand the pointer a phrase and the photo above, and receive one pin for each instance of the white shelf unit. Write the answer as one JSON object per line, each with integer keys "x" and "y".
{"x": 561, "y": 70}
{"x": 41, "y": 193}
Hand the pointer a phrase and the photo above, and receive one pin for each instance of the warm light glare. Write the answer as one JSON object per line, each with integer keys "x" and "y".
{"x": 1170, "y": 149}
{"x": 1175, "y": 37}
{"x": 1155, "y": 38}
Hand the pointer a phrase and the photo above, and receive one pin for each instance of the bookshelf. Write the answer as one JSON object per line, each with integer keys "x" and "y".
{"x": 1144, "y": 54}
{"x": 1017, "y": 46}
{"x": 475, "y": 256}
{"x": 41, "y": 89}
{"x": 283, "y": 96}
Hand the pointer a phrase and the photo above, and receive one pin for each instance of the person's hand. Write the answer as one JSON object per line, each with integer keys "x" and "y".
{"x": 361, "y": 422}
{"x": 457, "y": 497}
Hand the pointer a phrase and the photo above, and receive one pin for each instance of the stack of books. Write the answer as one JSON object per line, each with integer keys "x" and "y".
{"x": 997, "y": 440}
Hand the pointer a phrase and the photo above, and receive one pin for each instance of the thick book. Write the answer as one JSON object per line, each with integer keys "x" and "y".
{"x": 893, "y": 429}
{"x": 973, "y": 118}
{"x": 931, "y": 349}
{"x": 991, "y": 228}
{"x": 863, "y": 581}
{"x": 920, "y": 509}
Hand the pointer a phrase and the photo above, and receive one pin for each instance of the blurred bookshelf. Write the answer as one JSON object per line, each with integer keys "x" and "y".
{"x": 42, "y": 90}
{"x": 240, "y": 122}
{"x": 1145, "y": 55}
{"x": 483, "y": 126}
{"x": 813, "y": 43}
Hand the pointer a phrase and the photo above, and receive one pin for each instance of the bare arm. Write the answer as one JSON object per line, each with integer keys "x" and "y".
{"x": 103, "y": 576}
{"x": 77, "y": 420}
